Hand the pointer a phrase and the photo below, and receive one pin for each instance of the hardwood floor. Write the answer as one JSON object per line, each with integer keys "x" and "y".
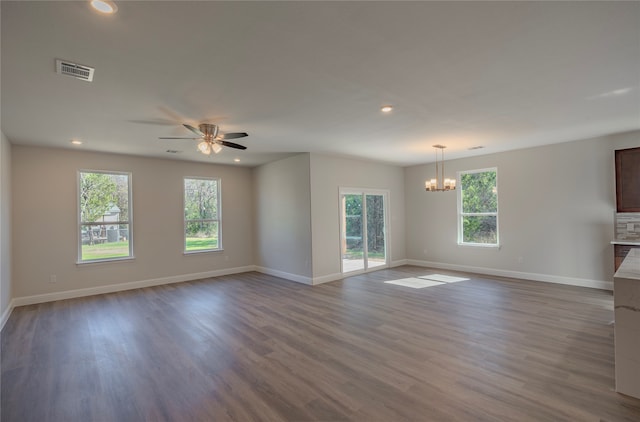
{"x": 252, "y": 347}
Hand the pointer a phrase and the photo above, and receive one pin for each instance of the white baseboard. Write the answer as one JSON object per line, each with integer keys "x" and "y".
{"x": 310, "y": 281}
{"x": 288, "y": 276}
{"x": 6, "y": 314}
{"x": 548, "y": 278}
{"x": 327, "y": 278}
{"x": 340, "y": 276}
{"x": 398, "y": 263}
{"x": 90, "y": 291}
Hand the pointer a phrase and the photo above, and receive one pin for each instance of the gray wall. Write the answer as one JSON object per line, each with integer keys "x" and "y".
{"x": 328, "y": 175}
{"x": 556, "y": 210}
{"x": 45, "y": 232}
{"x": 5, "y": 224}
{"x": 297, "y": 212}
{"x": 283, "y": 217}
{"x": 556, "y": 213}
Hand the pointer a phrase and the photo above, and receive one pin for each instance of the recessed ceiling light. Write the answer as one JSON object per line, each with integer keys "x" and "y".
{"x": 104, "y": 6}
{"x": 237, "y": 160}
{"x": 76, "y": 142}
{"x": 386, "y": 108}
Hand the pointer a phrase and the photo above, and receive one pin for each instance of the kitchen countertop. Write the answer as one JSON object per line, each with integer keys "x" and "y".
{"x": 626, "y": 242}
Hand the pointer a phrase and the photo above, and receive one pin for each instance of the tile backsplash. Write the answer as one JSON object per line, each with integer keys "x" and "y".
{"x": 628, "y": 226}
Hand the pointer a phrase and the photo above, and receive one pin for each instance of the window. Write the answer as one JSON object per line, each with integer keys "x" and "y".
{"x": 104, "y": 202}
{"x": 201, "y": 215}
{"x": 478, "y": 207}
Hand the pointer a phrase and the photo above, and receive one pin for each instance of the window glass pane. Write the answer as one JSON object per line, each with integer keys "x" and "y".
{"x": 202, "y": 219}
{"x": 104, "y": 197}
{"x": 353, "y": 226}
{"x": 480, "y": 229}
{"x": 375, "y": 225}
{"x": 479, "y": 193}
{"x": 200, "y": 199}
{"x": 104, "y": 241}
{"x": 376, "y": 254}
{"x": 201, "y": 235}
{"x": 104, "y": 216}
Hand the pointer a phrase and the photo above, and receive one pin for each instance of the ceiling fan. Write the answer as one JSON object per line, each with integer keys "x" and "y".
{"x": 211, "y": 139}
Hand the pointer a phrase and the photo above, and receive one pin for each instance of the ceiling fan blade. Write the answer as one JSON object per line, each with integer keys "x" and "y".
{"x": 194, "y": 130}
{"x": 160, "y": 122}
{"x": 232, "y": 145}
{"x": 234, "y": 135}
{"x": 172, "y": 137}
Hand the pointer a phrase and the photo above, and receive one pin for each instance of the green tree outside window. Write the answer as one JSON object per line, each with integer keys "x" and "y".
{"x": 479, "y": 207}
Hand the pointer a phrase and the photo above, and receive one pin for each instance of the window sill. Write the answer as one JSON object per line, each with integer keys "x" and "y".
{"x": 480, "y": 245}
{"x": 102, "y": 261}
{"x": 202, "y": 251}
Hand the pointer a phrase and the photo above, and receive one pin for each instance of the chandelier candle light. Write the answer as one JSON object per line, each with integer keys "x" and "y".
{"x": 434, "y": 185}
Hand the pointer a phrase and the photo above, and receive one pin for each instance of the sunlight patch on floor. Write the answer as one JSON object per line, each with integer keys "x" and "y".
{"x": 443, "y": 278}
{"x": 414, "y": 283}
{"x": 423, "y": 281}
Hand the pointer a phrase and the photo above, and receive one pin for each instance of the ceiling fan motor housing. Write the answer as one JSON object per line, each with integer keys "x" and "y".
{"x": 210, "y": 131}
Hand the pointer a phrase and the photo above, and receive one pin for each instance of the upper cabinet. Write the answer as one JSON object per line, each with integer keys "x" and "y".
{"x": 628, "y": 180}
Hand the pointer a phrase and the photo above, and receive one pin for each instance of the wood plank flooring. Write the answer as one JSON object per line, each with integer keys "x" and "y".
{"x": 252, "y": 347}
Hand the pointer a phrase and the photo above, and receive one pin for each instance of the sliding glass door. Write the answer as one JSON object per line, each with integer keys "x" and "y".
{"x": 352, "y": 233}
{"x": 376, "y": 231}
{"x": 363, "y": 230}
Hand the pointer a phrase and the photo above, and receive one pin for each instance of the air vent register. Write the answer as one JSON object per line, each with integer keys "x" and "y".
{"x": 79, "y": 71}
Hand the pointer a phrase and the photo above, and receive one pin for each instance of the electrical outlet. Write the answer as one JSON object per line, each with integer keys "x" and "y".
{"x": 520, "y": 260}
{"x": 226, "y": 258}
{"x": 53, "y": 278}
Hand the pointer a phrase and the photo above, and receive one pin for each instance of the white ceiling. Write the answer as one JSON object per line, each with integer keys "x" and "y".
{"x": 312, "y": 76}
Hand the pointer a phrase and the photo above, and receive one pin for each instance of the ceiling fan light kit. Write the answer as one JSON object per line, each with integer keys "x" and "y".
{"x": 211, "y": 140}
{"x": 204, "y": 148}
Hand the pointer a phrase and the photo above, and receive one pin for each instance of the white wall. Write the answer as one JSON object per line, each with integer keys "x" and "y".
{"x": 45, "y": 232}
{"x": 556, "y": 210}
{"x": 328, "y": 174}
{"x": 283, "y": 218}
{"x": 5, "y": 226}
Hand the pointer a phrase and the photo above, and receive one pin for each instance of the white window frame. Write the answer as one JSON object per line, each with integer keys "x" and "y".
{"x": 462, "y": 214}
{"x": 129, "y": 217}
{"x": 218, "y": 214}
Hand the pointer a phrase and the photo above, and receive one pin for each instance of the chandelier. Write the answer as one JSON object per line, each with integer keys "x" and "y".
{"x": 440, "y": 184}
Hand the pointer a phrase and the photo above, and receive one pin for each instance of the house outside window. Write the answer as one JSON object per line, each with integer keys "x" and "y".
{"x": 202, "y": 231}
{"x": 478, "y": 207}
{"x": 104, "y": 215}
